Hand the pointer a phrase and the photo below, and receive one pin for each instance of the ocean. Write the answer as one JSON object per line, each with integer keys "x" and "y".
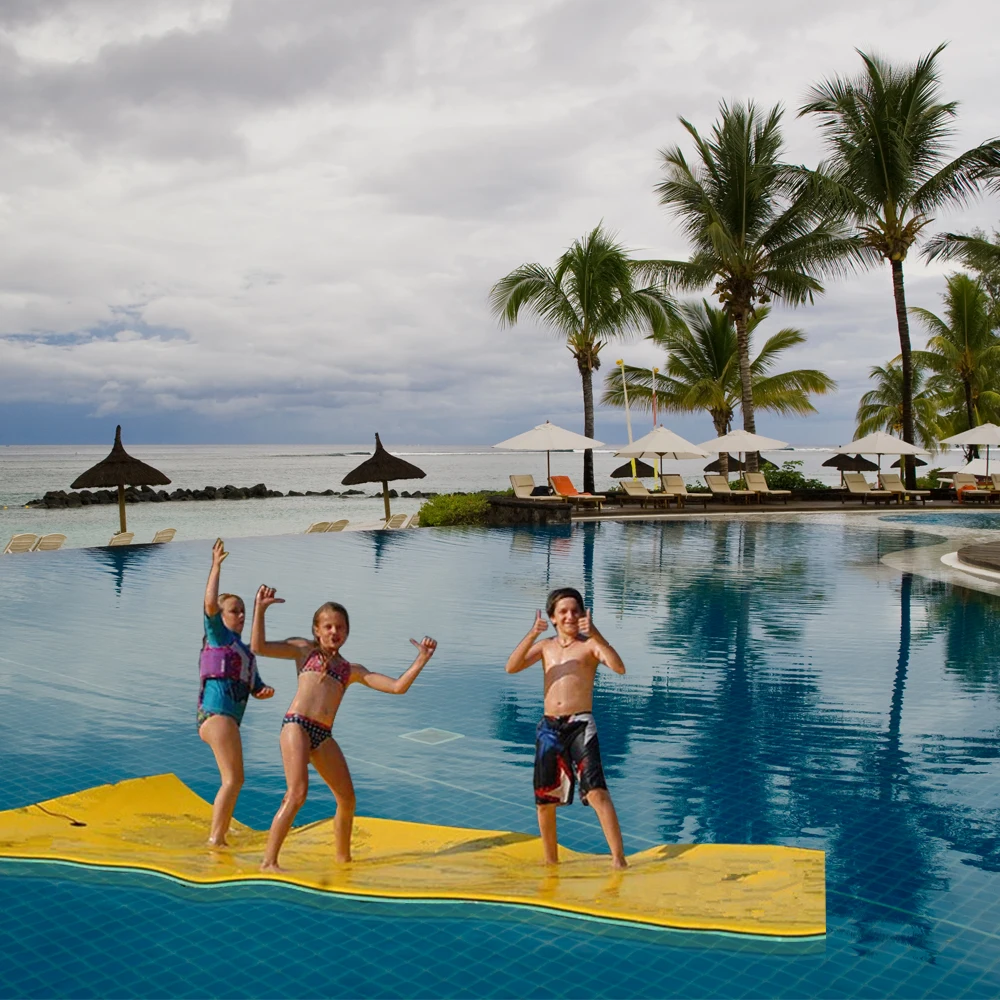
{"x": 26, "y": 472}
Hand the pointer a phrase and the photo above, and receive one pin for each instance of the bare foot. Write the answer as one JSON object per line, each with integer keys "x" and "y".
{"x": 272, "y": 866}
{"x": 217, "y": 842}
{"x": 343, "y": 859}
{"x": 619, "y": 864}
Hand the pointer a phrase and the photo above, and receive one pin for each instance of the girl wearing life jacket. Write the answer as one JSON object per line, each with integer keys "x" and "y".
{"x": 228, "y": 677}
{"x": 324, "y": 676}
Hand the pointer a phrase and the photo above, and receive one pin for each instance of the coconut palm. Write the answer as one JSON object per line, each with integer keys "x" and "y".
{"x": 979, "y": 253}
{"x": 963, "y": 353}
{"x": 588, "y": 298}
{"x": 703, "y": 371}
{"x": 756, "y": 230}
{"x": 881, "y": 408}
{"x": 887, "y": 131}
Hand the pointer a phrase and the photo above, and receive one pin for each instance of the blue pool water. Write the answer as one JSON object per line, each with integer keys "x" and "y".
{"x": 782, "y": 687}
{"x": 975, "y": 520}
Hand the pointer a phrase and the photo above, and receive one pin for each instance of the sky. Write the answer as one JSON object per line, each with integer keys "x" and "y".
{"x": 256, "y": 222}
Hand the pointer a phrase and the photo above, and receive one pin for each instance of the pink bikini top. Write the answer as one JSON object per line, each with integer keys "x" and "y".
{"x": 338, "y": 668}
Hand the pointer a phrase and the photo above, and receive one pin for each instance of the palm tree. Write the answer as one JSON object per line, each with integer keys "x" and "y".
{"x": 756, "y": 230}
{"x": 963, "y": 352}
{"x": 978, "y": 253}
{"x": 887, "y": 131}
{"x": 703, "y": 371}
{"x": 589, "y": 298}
{"x": 881, "y": 408}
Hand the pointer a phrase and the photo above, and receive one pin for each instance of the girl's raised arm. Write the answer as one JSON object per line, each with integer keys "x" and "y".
{"x": 288, "y": 649}
{"x": 212, "y": 587}
{"x": 400, "y": 684}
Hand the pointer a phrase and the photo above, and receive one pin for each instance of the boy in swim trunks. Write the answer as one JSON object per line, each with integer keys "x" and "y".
{"x": 566, "y": 750}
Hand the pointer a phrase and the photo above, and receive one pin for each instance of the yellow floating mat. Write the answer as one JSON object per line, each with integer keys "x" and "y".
{"x": 158, "y": 824}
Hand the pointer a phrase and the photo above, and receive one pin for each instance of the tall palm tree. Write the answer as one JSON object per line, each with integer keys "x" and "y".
{"x": 756, "y": 229}
{"x": 703, "y": 371}
{"x": 887, "y": 132}
{"x": 881, "y": 408}
{"x": 979, "y": 253}
{"x": 963, "y": 352}
{"x": 588, "y": 298}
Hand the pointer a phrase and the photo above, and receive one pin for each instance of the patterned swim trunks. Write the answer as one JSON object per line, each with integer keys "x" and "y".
{"x": 567, "y": 751}
{"x": 316, "y": 731}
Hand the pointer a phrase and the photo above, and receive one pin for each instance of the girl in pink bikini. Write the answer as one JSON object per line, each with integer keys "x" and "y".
{"x": 324, "y": 676}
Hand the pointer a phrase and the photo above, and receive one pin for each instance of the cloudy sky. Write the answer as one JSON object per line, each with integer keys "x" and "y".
{"x": 263, "y": 221}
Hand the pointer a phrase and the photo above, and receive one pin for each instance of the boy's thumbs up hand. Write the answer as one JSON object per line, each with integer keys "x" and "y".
{"x": 540, "y": 625}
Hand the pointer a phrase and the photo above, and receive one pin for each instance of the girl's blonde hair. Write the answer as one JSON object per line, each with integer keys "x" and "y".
{"x": 235, "y": 597}
{"x": 332, "y": 606}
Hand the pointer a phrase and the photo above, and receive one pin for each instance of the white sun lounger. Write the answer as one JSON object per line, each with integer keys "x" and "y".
{"x": 636, "y": 492}
{"x": 523, "y": 485}
{"x": 858, "y": 486}
{"x": 338, "y": 525}
{"x": 164, "y": 535}
{"x": 720, "y": 487}
{"x": 21, "y": 543}
{"x": 397, "y": 521}
{"x": 122, "y": 538}
{"x": 49, "y": 543}
{"x": 673, "y": 483}
{"x": 317, "y": 527}
{"x": 757, "y": 482}
{"x": 893, "y": 482}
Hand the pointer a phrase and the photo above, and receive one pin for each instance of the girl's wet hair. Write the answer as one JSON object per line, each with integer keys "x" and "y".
{"x": 235, "y": 597}
{"x": 557, "y": 595}
{"x": 332, "y": 606}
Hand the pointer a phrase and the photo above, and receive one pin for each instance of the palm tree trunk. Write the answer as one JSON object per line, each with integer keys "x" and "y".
{"x": 587, "y": 377}
{"x": 903, "y": 325}
{"x": 746, "y": 387}
{"x": 970, "y": 414}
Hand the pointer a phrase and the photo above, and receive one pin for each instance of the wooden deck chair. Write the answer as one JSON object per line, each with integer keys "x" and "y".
{"x": 164, "y": 535}
{"x": 995, "y": 480}
{"x": 720, "y": 487}
{"x": 636, "y": 492}
{"x": 396, "y": 521}
{"x": 893, "y": 482}
{"x": 338, "y": 525}
{"x": 523, "y": 485}
{"x": 49, "y": 543}
{"x": 967, "y": 489}
{"x": 673, "y": 483}
{"x": 757, "y": 482}
{"x": 21, "y": 543}
{"x": 122, "y": 538}
{"x": 414, "y": 521}
{"x": 858, "y": 486}
{"x": 564, "y": 488}
{"x": 317, "y": 527}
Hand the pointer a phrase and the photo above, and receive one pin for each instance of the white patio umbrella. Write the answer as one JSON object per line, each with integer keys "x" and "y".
{"x": 987, "y": 434}
{"x": 548, "y": 437}
{"x": 661, "y": 443}
{"x": 743, "y": 441}
{"x": 879, "y": 443}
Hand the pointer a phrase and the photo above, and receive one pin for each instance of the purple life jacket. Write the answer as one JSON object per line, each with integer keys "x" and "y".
{"x": 233, "y": 662}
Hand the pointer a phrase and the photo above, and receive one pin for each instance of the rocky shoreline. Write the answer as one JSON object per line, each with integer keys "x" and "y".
{"x": 59, "y": 499}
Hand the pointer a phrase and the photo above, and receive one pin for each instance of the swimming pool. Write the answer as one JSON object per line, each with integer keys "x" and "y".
{"x": 975, "y": 520}
{"x": 783, "y": 687}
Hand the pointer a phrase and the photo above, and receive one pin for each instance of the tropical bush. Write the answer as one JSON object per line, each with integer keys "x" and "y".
{"x": 455, "y": 508}
{"x": 788, "y": 477}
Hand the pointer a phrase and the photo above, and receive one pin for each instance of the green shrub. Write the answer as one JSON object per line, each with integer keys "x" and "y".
{"x": 788, "y": 477}
{"x": 455, "y": 508}
{"x": 929, "y": 481}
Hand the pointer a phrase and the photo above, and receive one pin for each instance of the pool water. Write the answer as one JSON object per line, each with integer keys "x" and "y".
{"x": 974, "y": 520}
{"x": 783, "y": 687}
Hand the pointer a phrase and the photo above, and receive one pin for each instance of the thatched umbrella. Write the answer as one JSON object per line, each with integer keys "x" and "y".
{"x": 120, "y": 469}
{"x": 916, "y": 461}
{"x": 642, "y": 470}
{"x": 382, "y": 468}
{"x": 735, "y": 465}
{"x": 844, "y": 463}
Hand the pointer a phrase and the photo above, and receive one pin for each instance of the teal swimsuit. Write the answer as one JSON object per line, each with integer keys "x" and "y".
{"x": 228, "y": 672}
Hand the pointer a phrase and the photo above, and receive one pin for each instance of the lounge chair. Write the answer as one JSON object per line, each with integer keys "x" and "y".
{"x": 966, "y": 488}
{"x": 673, "y": 483}
{"x": 636, "y": 492}
{"x": 893, "y": 482}
{"x": 164, "y": 535}
{"x": 720, "y": 487}
{"x": 523, "y": 485}
{"x": 564, "y": 488}
{"x": 414, "y": 521}
{"x": 49, "y": 543}
{"x": 995, "y": 480}
{"x": 338, "y": 525}
{"x": 858, "y": 486}
{"x": 757, "y": 482}
{"x": 397, "y": 521}
{"x": 21, "y": 543}
{"x": 317, "y": 527}
{"x": 122, "y": 538}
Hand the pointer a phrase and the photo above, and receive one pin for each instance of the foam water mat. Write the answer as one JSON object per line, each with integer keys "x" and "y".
{"x": 158, "y": 824}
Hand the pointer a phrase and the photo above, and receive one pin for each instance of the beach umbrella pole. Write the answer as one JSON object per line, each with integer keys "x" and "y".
{"x": 121, "y": 506}
{"x": 385, "y": 497}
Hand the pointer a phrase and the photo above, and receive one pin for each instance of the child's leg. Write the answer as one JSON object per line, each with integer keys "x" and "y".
{"x": 605, "y": 809}
{"x": 547, "y": 828}
{"x": 295, "y": 756}
{"x": 328, "y": 759}
{"x": 222, "y": 734}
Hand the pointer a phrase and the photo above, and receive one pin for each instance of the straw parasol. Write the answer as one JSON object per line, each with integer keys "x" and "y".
{"x": 120, "y": 469}
{"x": 844, "y": 463}
{"x": 736, "y": 465}
{"x": 743, "y": 442}
{"x": 382, "y": 468}
{"x": 548, "y": 437}
{"x": 642, "y": 470}
{"x": 899, "y": 462}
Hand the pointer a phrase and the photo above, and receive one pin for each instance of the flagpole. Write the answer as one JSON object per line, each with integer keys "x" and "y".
{"x": 628, "y": 419}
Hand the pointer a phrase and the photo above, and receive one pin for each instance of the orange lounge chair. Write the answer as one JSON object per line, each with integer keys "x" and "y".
{"x": 564, "y": 487}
